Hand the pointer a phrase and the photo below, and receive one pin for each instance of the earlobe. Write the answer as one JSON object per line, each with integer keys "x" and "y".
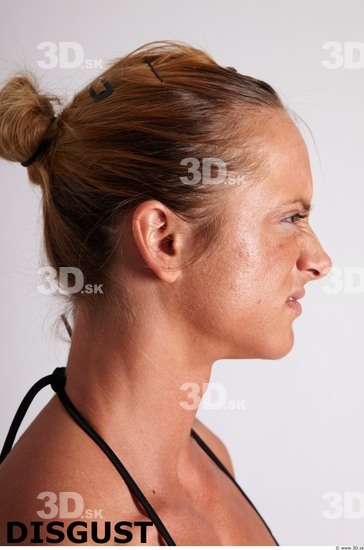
{"x": 155, "y": 228}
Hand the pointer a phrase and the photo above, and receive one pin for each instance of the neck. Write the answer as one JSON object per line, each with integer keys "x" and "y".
{"x": 139, "y": 386}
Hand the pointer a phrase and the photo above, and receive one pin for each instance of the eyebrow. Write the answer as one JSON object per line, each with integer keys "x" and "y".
{"x": 306, "y": 206}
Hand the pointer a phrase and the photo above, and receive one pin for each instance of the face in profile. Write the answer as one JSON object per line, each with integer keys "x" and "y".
{"x": 244, "y": 297}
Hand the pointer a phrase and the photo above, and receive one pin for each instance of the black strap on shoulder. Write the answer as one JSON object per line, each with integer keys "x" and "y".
{"x": 58, "y": 380}
{"x": 20, "y": 413}
{"x": 217, "y": 461}
{"x": 58, "y": 386}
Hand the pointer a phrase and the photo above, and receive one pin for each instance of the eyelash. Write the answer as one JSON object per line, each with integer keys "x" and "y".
{"x": 296, "y": 217}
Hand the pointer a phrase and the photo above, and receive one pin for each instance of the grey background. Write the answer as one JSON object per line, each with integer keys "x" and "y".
{"x": 300, "y": 434}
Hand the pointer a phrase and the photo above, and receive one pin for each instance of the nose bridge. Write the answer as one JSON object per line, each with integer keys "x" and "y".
{"x": 315, "y": 260}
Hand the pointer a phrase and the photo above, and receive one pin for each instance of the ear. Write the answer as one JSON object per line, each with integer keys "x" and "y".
{"x": 160, "y": 238}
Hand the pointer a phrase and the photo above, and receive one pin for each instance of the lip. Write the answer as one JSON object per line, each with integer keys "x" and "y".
{"x": 294, "y": 304}
{"x": 297, "y": 294}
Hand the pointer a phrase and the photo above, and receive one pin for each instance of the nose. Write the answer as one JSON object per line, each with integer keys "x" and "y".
{"x": 313, "y": 260}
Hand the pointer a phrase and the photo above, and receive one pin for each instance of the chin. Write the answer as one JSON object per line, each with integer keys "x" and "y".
{"x": 273, "y": 348}
{"x": 280, "y": 348}
{"x": 278, "y": 354}
{"x": 272, "y": 345}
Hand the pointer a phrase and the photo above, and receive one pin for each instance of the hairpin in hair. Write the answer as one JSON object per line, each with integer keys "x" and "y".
{"x": 42, "y": 146}
{"x": 101, "y": 95}
{"x": 67, "y": 325}
{"x": 148, "y": 61}
{"x": 232, "y": 69}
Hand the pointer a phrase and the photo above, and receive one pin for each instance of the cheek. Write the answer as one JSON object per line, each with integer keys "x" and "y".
{"x": 260, "y": 273}
{"x": 236, "y": 299}
{"x": 280, "y": 257}
{"x": 235, "y": 284}
{"x": 215, "y": 288}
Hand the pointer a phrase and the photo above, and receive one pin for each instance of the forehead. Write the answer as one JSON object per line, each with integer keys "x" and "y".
{"x": 285, "y": 183}
{"x": 287, "y": 165}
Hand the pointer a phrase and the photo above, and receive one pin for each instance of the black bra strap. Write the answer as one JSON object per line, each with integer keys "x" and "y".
{"x": 82, "y": 422}
{"x": 217, "y": 461}
{"x": 58, "y": 380}
{"x": 21, "y": 412}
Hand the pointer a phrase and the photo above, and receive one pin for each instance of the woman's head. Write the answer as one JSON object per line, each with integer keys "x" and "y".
{"x": 103, "y": 160}
{"x": 267, "y": 254}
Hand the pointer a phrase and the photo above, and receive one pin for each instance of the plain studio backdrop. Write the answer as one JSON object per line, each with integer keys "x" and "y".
{"x": 294, "y": 427}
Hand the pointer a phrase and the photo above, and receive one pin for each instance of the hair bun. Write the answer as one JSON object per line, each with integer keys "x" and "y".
{"x": 25, "y": 117}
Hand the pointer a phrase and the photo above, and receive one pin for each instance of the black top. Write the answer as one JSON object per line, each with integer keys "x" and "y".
{"x": 58, "y": 380}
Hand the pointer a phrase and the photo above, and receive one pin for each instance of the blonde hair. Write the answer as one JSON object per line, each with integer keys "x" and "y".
{"x": 169, "y": 101}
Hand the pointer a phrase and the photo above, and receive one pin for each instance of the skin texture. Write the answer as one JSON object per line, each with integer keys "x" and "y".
{"x": 126, "y": 378}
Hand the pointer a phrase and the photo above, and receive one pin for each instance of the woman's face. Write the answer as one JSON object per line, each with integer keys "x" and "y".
{"x": 240, "y": 295}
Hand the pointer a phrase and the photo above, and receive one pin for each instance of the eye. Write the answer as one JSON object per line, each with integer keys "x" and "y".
{"x": 295, "y": 218}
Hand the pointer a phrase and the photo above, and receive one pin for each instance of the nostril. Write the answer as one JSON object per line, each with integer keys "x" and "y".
{"x": 322, "y": 272}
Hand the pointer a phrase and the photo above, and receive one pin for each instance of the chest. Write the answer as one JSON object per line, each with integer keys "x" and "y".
{"x": 216, "y": 514}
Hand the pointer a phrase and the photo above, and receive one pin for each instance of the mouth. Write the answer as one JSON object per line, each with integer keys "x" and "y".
{"x": 293, "y": 303}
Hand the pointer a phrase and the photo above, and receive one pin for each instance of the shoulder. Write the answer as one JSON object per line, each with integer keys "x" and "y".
{"x": 215, "y": 444}
{"x": 57, "y": 476}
